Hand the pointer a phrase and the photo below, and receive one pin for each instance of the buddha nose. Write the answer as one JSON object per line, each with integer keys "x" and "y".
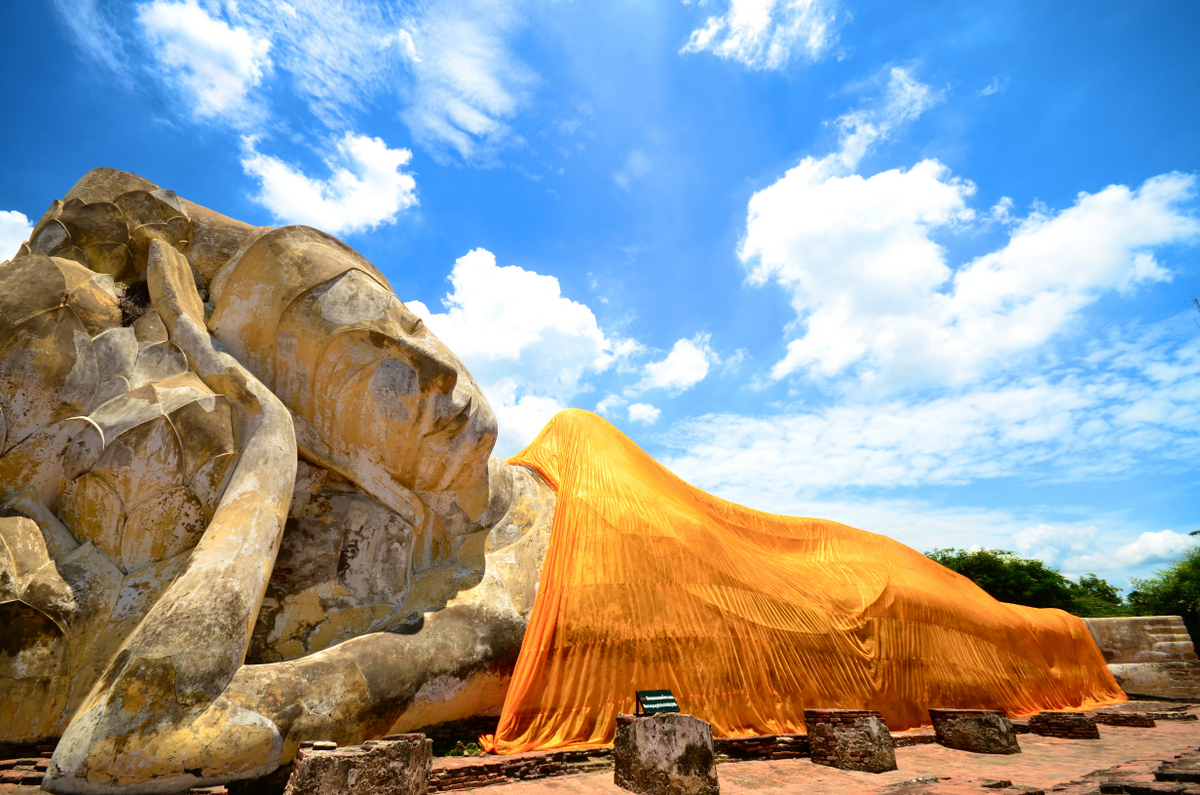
{"x": 434, "y": 375}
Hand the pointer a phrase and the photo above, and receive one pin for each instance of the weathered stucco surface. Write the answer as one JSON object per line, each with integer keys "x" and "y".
{"x": 665, "y": 754}
{"x": 1150, "y": 656}
{"x": 184, "y": 598}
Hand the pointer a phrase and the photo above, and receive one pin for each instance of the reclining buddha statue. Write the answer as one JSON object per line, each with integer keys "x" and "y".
{"x": 249, "y": 501}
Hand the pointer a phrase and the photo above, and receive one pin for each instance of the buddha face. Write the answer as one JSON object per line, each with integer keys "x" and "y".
{"x": 375, "y": 395}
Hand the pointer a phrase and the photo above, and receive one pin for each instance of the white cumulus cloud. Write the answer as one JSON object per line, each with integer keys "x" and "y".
{"x": 644, "y": 413}
{"x": 876, "y": 296}
{"x": 609, "y": 404}
{"x": 14, "y": 230}
{"x": 685, "y": 366}
{"x": 214, "y": 62}
{"x": 366, "y": 188}
{"x": 874, "y": 293}
{"x": 1157, "y": 547}
{"x": 529, "y": 347}
{"x": 767, "y": 34}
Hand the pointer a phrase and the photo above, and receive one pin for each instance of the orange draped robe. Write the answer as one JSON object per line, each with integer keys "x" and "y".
{"x": 749, "y": 618}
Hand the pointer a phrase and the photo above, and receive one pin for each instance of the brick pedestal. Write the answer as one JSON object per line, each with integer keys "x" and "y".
{"x": 665, "y": 754}
{"x": 980, "y": 731}
{"x": 763, "y": 746}
{"x": 850, "y": 739}
{"x": 1138, "y": 720}
{"x": 397, "y": 765}
{"x": 1067, "y": 725}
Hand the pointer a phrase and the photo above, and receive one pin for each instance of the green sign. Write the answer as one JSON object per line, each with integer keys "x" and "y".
{"x": 652, "y": 701}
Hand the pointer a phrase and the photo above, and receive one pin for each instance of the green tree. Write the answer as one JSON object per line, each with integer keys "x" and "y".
{"x": 1009, "y": 578}
{"x": 1171, "y": 591}
{"x": 1093, "y": 597}
{"x": 1026, "y": 581}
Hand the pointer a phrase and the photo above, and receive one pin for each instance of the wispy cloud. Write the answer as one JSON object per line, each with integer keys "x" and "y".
{"x": 467, "y": 83}
{"x": 636, "y": 166}
{"x": 904, "y": 99}
{"x": 336, "y": 55}
{"x": 450, "y": 64}
{"x": 1129, "y": 405}
{"x": 768, "y": 34}
{"x": 96, "y": 36}
{"x": 367, "y": 186}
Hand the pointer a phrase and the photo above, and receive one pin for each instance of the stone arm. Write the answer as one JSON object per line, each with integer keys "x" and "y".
{"x": 174, "y": 667}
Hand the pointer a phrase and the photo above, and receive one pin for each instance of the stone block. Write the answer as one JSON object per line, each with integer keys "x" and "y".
{"x": 850, "y": 739}
{"x": 665, "y": 754}
{"x": 1066, "y": 725}
{"x": 397, "y": 766}
{"x": 980, "y": 731}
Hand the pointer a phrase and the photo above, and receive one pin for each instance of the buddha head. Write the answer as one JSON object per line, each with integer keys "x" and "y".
{"x": 375, "y": 396}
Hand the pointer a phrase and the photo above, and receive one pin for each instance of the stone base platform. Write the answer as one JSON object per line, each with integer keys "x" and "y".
{"x": 395, "y": 765}
{"x": 850, "y": 739}
{"x": 665, "y": 754}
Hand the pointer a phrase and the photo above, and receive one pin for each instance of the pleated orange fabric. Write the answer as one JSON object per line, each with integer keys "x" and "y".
{"x": 749, "y": 617}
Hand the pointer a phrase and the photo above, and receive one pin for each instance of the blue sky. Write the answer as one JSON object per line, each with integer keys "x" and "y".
{"x": 919, "y": 267}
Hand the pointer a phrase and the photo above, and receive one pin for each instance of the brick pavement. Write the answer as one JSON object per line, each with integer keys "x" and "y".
{"x": 1044, "y": 763}
{"x": 1055, "y": 766}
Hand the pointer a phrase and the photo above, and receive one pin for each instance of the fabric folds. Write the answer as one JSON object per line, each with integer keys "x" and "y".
{"x": 749, "y": 617}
